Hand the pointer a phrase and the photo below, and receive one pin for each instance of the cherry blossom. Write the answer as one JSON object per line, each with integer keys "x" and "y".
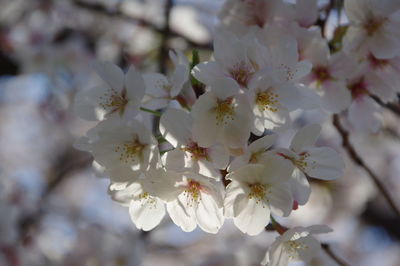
{"x": 192, "y": 200}
{"x": 120, "y": 96}
{"x": 145, "y": 208}
{"x": 364, "y": 112}
{"x": 328, "y": 75}
{"x": 317, "y": 162}
{"x": 124, "y": 149}
{"x": 254, "y": 154}
{"x": 222, "y": 116}
{"x": 374, "y": 26}
{"x": 176, "y": 128}
{"x": 239, "y": 16}
{"x": 160, "y": 89}
{"x": 240, "y": 59}
{"x": 255, "y": 192}
{"x": 296, "y": 244}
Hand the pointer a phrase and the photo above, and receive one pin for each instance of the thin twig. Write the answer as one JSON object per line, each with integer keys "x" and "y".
{"x": 393, "y": 107}
{"x": 328, "y": 250}
{"x": 165, "y": 35}
{"x": 360, "y": 162}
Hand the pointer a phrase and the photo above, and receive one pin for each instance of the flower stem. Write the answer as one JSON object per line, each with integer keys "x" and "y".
{"x": 277, "y": 226}
{"x": 156, "y": 113}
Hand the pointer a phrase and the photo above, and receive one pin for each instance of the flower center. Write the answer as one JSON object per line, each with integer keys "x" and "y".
{"x": 377, "y": 63}
{"x": 130, "y": 150}
{"x": 301, "y": 162}
{"x": 373, "y": 25}
{"x": 267, "y": 100}
{"x": 358, "y": 88}
{"x": 257, "y": 191}
{"x": 255, "y": 13}
{"x": 192, "y": 191}
{"x": 321, "y": 74}
{"x": 293, "y": 247}
{"x": 114, "y": 101}
{"x": 147, "y": 199}
{"x": 255, "y": 156}
{"x": 224, "y": 110}
{"x": 196, "y": 151}
{"x": 290, "y": 73}
{"x": 242, "y": 73}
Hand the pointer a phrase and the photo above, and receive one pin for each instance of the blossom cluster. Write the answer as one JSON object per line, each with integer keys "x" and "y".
{"x": 215, "y": 157}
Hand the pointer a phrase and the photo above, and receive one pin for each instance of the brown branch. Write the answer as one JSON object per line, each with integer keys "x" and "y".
{"x": 360, "y": 162}
{"x": 116, "y": 13}
{"x": 393, "y": 107}
{"x": 330, "y": 253}
{"x": 165, "y": 34}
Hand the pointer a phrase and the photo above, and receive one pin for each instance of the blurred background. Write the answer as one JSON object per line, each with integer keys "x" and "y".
{"x": 55, "y": 211}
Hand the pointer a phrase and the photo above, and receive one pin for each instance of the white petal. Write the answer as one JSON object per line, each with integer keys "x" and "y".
{"x": 181, "y": 216}
{"x": 280, "y": 199}
{"x": 336, "y": 97}
{"x": 111, "y": 74}
{"x": 205, "y": 128}
{"x": 224, "y": 88}
{"x": 219, "y": 156}
{"x": 174, "y": 160}
{"x": 300, "y": 187}
{"x": 161, "y": 183}
{"x": 312, "y": 250}
{"x": 233, "y": 190}
{"x": 305, "y": 137}
{"x": 263, "y": 143}
{"x": 135, "y": 87}
{"x": 325, "y": 163}
{"x": 319, "y": 229}
{"x": 207, "y": 72}
{"x": 176, "y": 126}
{"x": 253, "y": 219}
{"x": 364, "y": 114}
{"x": 87, "y": 103}
{"x": 208, "y": 215}
{"x": 383, "y": 45}
{"x": 147, "y": 213}
{"x": 278, "y": 169}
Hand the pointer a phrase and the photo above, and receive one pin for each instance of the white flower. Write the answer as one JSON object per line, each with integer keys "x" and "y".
{"x": 296, "y": 244}
{"x": 271, "y": 101}
{"x": 383, "y": 77}
{"x": 238, "y": 59}
{"x": 374, "y": 26}
{"x": 306, "y": 12}
{"x": 160, "y": 89}
{"x": 222, "y": 116}
{"x": 317, "y": 162}
{"x": 283, "y": 52}
{"x": 145, "y": 208}
{"x": 193, "y": 200}
{"x": 255, "y": 192}
{"x": 239, "y": 16}
{"x": 119, "y": 97}
{"x": 329, "y": 73}
{"x": 176, "y": 128}
{"x": 255, "y": 153}
{"x": 124, "y": 149}
{"x": 364, "y": 112}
